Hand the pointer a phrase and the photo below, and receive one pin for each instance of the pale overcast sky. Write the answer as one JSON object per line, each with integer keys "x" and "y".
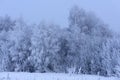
{"x": 57, "y": 10}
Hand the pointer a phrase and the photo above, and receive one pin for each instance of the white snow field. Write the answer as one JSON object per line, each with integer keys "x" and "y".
{"x": 50, "y": 76}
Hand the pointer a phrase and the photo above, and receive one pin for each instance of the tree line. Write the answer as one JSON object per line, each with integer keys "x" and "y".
{"x": 86, "y": 45}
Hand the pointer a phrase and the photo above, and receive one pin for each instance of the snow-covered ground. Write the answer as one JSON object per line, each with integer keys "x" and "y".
{"x": 50, "y": 76}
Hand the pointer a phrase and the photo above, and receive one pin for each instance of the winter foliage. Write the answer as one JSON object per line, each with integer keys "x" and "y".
{"x": 86, "y": 46}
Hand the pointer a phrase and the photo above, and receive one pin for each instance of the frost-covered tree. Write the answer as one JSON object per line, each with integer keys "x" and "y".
{"x": 21, "y": 46}
{"x": 111, "y": 56}
{"x": 45, "y": 46}
{"x": 88, "y": 33}
{"x": 6, "y": 26}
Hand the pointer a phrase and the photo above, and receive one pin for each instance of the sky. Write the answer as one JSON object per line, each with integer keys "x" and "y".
{"x": 57, "y": 11}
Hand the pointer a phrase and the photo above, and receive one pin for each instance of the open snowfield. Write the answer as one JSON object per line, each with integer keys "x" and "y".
{"x": 50, "y": 76}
